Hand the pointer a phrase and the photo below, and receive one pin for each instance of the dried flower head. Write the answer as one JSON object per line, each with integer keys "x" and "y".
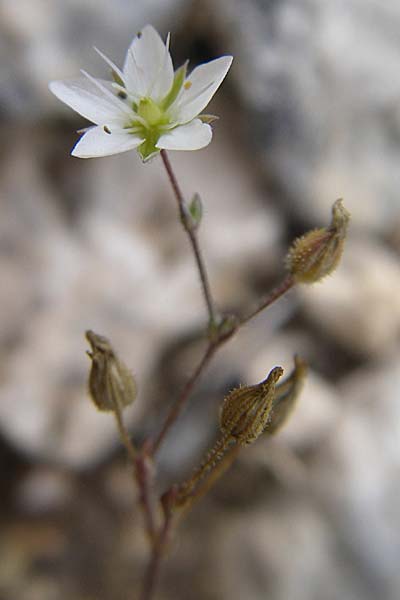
{"x": 246, "y": 411}
{"x": 317, "y": 253}
{"x": 111, "y": 385}
{"x": 147, "y": 106}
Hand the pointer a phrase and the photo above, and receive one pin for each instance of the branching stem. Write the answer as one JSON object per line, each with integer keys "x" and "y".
{"x": 274, "y": 295}
{"x": 182, "y": 399}
{"x": 219, "y": 332}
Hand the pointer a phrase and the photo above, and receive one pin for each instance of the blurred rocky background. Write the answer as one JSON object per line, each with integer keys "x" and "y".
{"x": 309, "y": 112}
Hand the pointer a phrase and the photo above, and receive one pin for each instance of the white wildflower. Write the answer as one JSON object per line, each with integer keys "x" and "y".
{"x": 147, "y": 106}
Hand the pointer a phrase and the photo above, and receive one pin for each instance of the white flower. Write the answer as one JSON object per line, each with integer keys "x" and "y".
{"x": 147, "y": 106}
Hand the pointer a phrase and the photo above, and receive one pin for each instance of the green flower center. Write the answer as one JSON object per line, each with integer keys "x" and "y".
{"x": 151, "y": 113}
{"x": 154, "y": 118}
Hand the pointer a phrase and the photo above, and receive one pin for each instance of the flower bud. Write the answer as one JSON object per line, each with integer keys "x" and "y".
{"x": 196, "y": 211}
{"x": 317, "y": 253}
{"x": 286, "y": 395}
{"x": 111, "y": 385}
{"x": 246, "y": 411}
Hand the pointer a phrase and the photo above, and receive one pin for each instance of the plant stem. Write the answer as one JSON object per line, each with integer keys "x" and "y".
{"x": 145, "y": 494}
{"x": 153, "y": 568}
{"x": 219, "y": 340}
{"x": 192, "y": 234}
{"x": 276, "y": 293}
{"x": 141, "y": 473}
{"x": 123, "y": 433}
{"x": 220, "y": 337}
{"x": 177, "y": 407}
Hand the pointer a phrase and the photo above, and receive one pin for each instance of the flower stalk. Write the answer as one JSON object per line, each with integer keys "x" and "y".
{"x": 187, "y": 222}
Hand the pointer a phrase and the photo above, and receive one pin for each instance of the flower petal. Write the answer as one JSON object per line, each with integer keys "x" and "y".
{"x": 89, "y": 101}
{"x": 148, "y": 69}
{"x": 96, "y": 142}
{"x": 199, "y": 88}
{"x": 192, "y": 136}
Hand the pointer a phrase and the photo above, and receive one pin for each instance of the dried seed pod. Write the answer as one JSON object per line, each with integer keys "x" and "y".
{"x": 286, "y": 395}
{"x": 246, "y": 410}
{"x": 111, "y": 385}
{"x": 317, "y": 253}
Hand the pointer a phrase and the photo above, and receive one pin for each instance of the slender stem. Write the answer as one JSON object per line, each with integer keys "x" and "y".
{"x": 276, "y": 293}
{"x": 192, "y": 234}
{"x": 145, "y": 494}
{"x": 141, "y": 473}
{"x": 123, "y": 433}
{"x": 153, "y": 569}
{"x": 182, "y": 399}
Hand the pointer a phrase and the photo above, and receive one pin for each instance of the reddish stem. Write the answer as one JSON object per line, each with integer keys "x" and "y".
{"x": 182, "y": 399}
{"x": 192, "y": 234}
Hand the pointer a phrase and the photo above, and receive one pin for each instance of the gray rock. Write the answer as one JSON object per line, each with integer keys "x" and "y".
{"x": 320, "y": 84}
{"x": 356, "y": 475}
{"x": 42, "y": 41}
{"x": 359, "y": 305}
{"x": 283, "y": 553}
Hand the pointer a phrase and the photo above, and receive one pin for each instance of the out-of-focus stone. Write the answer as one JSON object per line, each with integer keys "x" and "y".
{"x": 355, "y": 474}
{"x": 322, "y": 110}
{"x": 280, "y": 554}
{"x": 119, "y": 486}
{"x": 43, "y": 490}
{"x": 42, "y": 41}
{"x": 359, "y": 305}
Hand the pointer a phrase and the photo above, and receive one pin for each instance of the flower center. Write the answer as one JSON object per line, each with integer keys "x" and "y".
{"x": 151, "y": 112}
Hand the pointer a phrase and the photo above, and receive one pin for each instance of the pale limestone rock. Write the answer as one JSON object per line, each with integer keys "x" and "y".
{"x": 359, "y": 305}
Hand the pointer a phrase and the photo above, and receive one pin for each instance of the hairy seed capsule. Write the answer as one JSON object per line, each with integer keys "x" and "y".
{"x": 317, "y": 253}
{"x": 111, "y": 385}
{"x": 247, "y": 410}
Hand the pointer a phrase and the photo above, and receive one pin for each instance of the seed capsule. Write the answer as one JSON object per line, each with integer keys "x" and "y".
{"x": 317, "y": 253}
{"x": 246, "y": 411}
{"x": 111, "y": 385}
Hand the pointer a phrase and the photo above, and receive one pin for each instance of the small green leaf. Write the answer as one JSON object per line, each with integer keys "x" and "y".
{"x": 196, "y": 210}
